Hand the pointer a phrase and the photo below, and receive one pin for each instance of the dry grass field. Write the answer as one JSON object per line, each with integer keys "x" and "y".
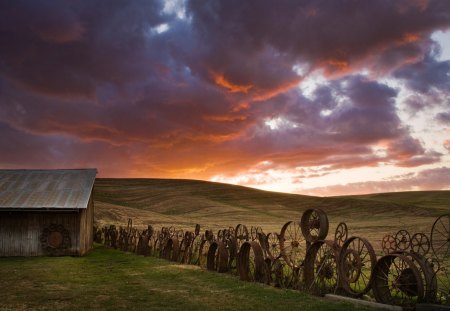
{"x": 183, "y": 203}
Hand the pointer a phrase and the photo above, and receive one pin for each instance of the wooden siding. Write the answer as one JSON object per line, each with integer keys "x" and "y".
{"x": 86, "y": 227}
{"x": 20, "y": 231}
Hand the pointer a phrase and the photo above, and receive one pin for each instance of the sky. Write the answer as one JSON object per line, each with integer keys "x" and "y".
{"x": 311, "y": 97}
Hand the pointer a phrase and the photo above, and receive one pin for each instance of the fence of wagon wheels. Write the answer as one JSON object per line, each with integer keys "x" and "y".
{"x": 412, "y": 268}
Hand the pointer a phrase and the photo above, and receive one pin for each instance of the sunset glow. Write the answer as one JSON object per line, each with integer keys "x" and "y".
{"x": 311, "y": 97}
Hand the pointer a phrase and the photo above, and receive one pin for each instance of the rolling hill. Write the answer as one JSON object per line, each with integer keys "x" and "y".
{"x": 183, "y": 203}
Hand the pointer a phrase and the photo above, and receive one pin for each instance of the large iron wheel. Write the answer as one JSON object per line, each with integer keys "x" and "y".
{"x": 397, "y": 281}
{"x": 320, "y": 271}
{"x": 356, "y": 261}
{"x": 440, "y": 237}
{"x": 273, "y": 246}
{"x": 217, "y": 259}
{"x": 250, "y": 263}
{"x": 314, "y": 225}
{"x": 292, "y": 244}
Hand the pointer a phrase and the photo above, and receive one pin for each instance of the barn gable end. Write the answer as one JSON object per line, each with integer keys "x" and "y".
{"x": 46, "y": 212}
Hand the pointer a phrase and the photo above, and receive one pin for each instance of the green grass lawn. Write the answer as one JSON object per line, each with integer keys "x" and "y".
{"x": 107, "y": 279}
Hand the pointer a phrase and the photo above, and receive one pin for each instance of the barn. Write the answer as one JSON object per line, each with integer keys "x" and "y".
{"x": 46, "y": 212}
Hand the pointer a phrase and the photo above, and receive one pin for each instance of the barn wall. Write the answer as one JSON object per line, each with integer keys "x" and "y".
{"x": 20, "y": 231}
{"x": 86, "y": 227}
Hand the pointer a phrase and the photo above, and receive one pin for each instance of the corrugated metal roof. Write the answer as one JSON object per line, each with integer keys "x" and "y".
{"x": 59, "y": 189}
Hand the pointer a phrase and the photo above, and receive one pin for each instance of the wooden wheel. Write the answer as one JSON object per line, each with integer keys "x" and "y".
{"x": 314, "y": 225}
{"x": 440, "y": 237}
{"x": 320, "y": 271}
{"x": 396, "y": 281}
{"x": 292, "y": 244}
{"x": 356, "y": 261}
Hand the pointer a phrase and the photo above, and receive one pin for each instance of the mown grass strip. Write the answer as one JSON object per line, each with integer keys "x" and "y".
{"x": 107, "y": 279}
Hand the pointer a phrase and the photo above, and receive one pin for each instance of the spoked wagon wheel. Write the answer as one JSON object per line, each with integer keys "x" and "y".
{"x": 314, "y": 225}
{"x": 388, "y": 244}
{"x": 420, "y": 244}
{"x": 273, "y": 246}
{"x": 440, "y": 237}
{"x": 356, "y": 261}
{"x": 254, "y": 231}
{"x": 292, "y": 244}
{"x": 241, "y": 235}
{"x": 217, "y": 259}
{"x": 341, "y": 234}
{"x": 320, "y": 271}
{"x": 250, "y": 263}
{"x": 396, "y": 281}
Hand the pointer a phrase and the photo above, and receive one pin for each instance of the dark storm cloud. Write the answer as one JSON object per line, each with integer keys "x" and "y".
{"x": 129, "y": 82}
{"x": 426, "y": 76}
{"x": 331, "y": 34}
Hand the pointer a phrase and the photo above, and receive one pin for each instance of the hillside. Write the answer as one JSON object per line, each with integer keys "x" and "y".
{"x": 216, "y": 205}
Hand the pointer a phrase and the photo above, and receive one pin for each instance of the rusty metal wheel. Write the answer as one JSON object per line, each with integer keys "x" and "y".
{"x": 420, "y": 244}
{"x": 55, "y": 239}
{"x": 314, "y": 225}
{"x": 209, "y": 235}
{"x": 254, "y": 232}
{"x": 442, "y": 278}
{"x": 282, "y": 274}
{"x": 217, "y": 259}
{"x": 203, "y": 253}
{"x": 292, "y": 244}
{"x": 170, "y": 250}
{"x": 403, "y": 240}
{"x": 194, "y": 250}
{"x": 356, "y": 261}
{"x": 320, "y": 271}
{"x": 274, "y": 249}
{"x": 220, "y": 235}
{"x": 426, "y": 273}
{"x": 185, "y": 246}
{"x": 341, "y": 234}
{"x": 396, "y": 281}
{"x": 250, "y": 263}
{"x": 241, "y": 235}
{"x": 233, "y": 253}
{"x": 388, "y": 244}
{"x": 197, "y": 229}
{"x": 440, "y": 237}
